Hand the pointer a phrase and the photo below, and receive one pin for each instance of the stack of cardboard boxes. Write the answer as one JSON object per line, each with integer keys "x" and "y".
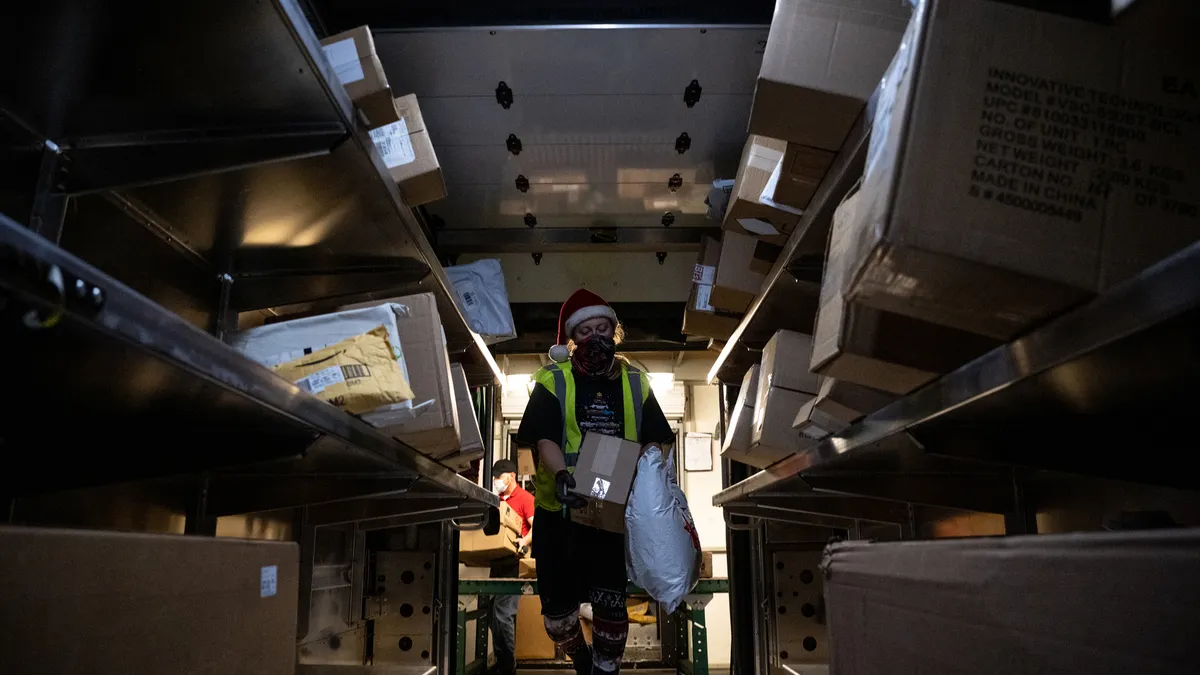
{"x": 1017, "y": 159}
{"x": 395, "y": 124}
{"x": 823, "y": 60}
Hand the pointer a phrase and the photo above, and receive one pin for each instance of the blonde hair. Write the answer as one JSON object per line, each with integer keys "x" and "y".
{"x": 618, "y": 338}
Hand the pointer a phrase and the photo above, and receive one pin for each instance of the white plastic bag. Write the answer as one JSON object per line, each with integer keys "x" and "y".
{"x": 480, "y": 289}
{"x": 662, "y": 549}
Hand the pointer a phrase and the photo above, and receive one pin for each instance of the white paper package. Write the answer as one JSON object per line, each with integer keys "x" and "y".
{"x": 480, "y": 288}
{"x": 662, "y": 549}
{"x": 278, "y": 343}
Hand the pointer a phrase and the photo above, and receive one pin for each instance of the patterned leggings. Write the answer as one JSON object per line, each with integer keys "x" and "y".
{"x": 610, "y": 630}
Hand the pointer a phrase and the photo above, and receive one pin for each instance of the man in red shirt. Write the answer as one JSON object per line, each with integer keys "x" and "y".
{"x": 504, "y": 607}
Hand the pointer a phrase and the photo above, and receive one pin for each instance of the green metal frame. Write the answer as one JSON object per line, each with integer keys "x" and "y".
{"x": 695, "y": 663}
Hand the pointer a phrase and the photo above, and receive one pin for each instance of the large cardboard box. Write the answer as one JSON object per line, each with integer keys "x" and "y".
{"x": 532, "y": 642}
{"x": 838, "y": 405}
{"x": 604, "y": 476}
{"x": 407, "y": 152}
{"x": 1022, "y": 161}
{"x": 886, "y": 351}
{"x": 797, "y": 176}
{"x": 823, "y": 60}
{"x": 1075, "y": 604}
{"x": 510, "y": 518}
{"x": 699, "y": 317}
{"x": 432, "y": 425}
{"x": 525, "y": 464}
{"x": 748, "y": 212}
{"x": 476, "y": 549}
{"x": 81, "y": 602}
{"x": 784, "y": 386}
{"x": 352, "y": 55}
{"x": 741, "y": 270}
{"x": 736, "y": 444}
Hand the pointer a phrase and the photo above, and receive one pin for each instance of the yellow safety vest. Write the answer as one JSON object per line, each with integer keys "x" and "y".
{"x": 557, "y": 379}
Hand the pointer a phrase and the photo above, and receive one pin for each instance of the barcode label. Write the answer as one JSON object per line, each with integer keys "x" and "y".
{"x": 466, "y": 290}
{"x": 321, "y": 380}
{"x": 703, "y": 274}
{"x": 394, "y": 144}
{"x": 703, "y": 293}
{"x": 355, "y": 371}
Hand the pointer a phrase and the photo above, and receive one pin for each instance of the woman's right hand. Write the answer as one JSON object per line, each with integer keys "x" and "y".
{"x": 563, "y": 482}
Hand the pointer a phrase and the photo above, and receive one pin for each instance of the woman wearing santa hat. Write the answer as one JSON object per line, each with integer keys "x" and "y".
{"x": 577, "y": 563}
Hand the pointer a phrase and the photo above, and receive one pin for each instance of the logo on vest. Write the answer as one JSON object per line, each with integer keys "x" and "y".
{"x": 600, "y": 488}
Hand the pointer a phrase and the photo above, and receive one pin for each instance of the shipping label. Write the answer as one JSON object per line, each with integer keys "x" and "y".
{"x": 394, "y": 144}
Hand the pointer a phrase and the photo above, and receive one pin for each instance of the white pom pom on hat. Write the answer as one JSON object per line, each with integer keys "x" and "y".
{"x": 581, "y": 306}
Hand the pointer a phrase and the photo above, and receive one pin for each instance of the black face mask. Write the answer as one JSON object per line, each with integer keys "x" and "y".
{"x": 594, "y": 355}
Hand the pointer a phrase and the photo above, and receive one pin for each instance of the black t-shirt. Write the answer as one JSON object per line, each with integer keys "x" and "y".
{"x": 598, "y": 407}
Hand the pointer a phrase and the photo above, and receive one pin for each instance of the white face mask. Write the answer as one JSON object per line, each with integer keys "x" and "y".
{"x": 499, "y": 485}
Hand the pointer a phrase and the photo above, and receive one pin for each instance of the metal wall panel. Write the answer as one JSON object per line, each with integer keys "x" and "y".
{"x": 798, "y": 606}
{"x": 572, "y": 61}
{"x": 579, "y": 204}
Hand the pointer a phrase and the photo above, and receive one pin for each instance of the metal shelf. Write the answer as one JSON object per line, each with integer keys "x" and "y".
{"x": 789, "y": 295}
{"x": 248, "y": 160}
{"x": 1106, "y": 390}
{"x": 123, "y": 390}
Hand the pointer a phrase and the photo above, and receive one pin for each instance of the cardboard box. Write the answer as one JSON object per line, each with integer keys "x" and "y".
{"x": 527, "y": 569}
{"x": 432, "y": 425}
{"x": 772, "y": 436}
{"x": 823, "y": 60}
{"x": 699, "y": 317}
{"x": 741, "y": 271}
{"x": 352, "y": 55}
{"x": 838, "y": 405}
{"x": 785, "y": 360}
{"x": 532, "y": 642}
{"x": 1068, "y": 604}
{"x": 604, "y": 476}
{"x": 81, "y": 602}
{"x": 706, "y": 565}
{"x": 510, "y": 518}
{"x": 470, "y": 438}
{"x": 476, "y": 549}
{"x": 748, "y": 213}
{"x": 1050, "y": 143}
{"x": 525, "y": 464}
{"x": 378, "y": 109}
{"x": 736, "y": 444}
{"x": 882, "y": 350}
{"x": 358, "y": 374}
{"x": 407, "y": 152}
{"x": 798, "y": 175}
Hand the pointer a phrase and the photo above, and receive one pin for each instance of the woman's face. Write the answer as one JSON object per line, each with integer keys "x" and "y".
{"x": 597, "y": 326}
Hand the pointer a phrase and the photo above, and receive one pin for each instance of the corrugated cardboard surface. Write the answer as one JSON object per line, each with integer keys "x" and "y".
{"x": 1064, "y": 604}
{"x": 741, "y": 419}
{"x": 374, "y": 80}
{"x": 420, "y": 180}
{"x": 772, "y": 437}
{"x": 532, "y": 641}
{"x": 822, "y": 61}
{"x": 84, "y": 602}
{"x": 471, "y": 439}
{"x": 510, "y": 518}
{"x": 435, "y": 431}
{"x": 378, "y": 108}
{"x": 706, "y": 565}
{"x": 876, "y": 349}
{"x": 525, "y": 463}
{"x": 760, "y": 156}
{"x": 838, "y": 405}
{"x": 601, "y": 515}
{"x": 785, "y": 360}
{"x": 699, "y": 316}
{"x": 476, "y": 549}
{"x": 606, "y": 467}
{"x": 801, "y": 172}
{"x": 527, "y": 568}
{"x": 745, "y": 262}
{"x": 1049, "y": 143}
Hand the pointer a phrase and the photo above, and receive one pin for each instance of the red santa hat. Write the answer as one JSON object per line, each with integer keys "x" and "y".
{"x": 581, "y": 306}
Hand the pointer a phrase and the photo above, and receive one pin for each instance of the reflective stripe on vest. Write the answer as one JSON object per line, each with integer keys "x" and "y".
{"x": 634, "y": 377}
{"x": 560, "y": 393}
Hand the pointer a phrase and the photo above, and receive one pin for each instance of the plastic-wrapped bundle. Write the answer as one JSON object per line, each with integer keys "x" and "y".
{"x": 662, "y": 550}
{"x": 480, "y": 287}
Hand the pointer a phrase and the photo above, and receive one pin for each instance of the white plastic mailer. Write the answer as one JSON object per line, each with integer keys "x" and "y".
{"x": 480, "y": 288}
{"x": 662, "y": 549}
